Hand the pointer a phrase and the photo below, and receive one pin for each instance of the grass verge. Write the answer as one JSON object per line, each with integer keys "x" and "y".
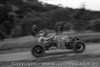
{"x": 27, "y": 42}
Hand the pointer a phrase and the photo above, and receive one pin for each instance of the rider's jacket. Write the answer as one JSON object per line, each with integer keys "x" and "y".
{"x": 43, "y": 39}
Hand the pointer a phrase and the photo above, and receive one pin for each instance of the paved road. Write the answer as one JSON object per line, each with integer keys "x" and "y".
{"x": 90, "y": 49}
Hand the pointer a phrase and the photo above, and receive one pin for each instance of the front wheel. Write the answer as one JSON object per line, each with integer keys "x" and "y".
{"x": 38, "y": 51}
{"x": 79, "y": 47}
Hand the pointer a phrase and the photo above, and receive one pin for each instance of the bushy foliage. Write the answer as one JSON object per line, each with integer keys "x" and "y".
{"x": 45, "y": 16}
{"x": 16, "y": 32}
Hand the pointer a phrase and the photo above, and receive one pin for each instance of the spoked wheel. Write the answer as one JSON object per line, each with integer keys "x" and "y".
{"x": 79, "y": 47}
{"x": 38, "y": 51}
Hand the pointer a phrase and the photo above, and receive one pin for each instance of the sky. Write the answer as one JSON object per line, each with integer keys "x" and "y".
{"x": 89, "y": 4}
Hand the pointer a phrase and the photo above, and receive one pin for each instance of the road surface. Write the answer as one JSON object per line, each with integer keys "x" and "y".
{"x": 90, "y": 49}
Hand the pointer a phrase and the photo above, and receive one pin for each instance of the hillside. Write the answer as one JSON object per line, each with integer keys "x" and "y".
{"x": 19, "y": 16}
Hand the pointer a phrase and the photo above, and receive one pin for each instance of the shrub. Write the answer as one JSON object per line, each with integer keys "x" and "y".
{"x": 16, "y": 32}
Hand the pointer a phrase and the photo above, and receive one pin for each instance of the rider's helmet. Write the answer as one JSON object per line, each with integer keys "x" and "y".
{"x": 34, "y": 26}
{"x": 43, "y": 33}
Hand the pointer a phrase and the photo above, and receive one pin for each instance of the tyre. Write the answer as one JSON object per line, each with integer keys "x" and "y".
{"x": 79, "y": 47}
{"x": 38, "y": 51}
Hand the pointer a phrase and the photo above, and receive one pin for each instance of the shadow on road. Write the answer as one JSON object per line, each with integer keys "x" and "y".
{"x": 58, "y": 53}
{"x": 67, "y": 56}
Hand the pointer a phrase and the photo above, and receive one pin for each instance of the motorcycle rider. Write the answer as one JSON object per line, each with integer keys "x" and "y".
{"x": 59, "y": 27}
{"x": 34, "y": 30}
{"x": 43, "y": 37}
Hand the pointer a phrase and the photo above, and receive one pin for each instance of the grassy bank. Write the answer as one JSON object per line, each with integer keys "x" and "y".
{"x": 28, "y": 41}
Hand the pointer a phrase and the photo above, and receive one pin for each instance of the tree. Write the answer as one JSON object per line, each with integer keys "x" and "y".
{"x": 80, "y": 26}
{"x": 67, "y": 26}
{"x": 95, "y": 25}
{"x": 16, "y": 32}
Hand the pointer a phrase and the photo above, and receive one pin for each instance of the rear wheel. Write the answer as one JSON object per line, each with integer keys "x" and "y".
{"x": 38, "y": 51}
{"x": 79, "y": 47}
